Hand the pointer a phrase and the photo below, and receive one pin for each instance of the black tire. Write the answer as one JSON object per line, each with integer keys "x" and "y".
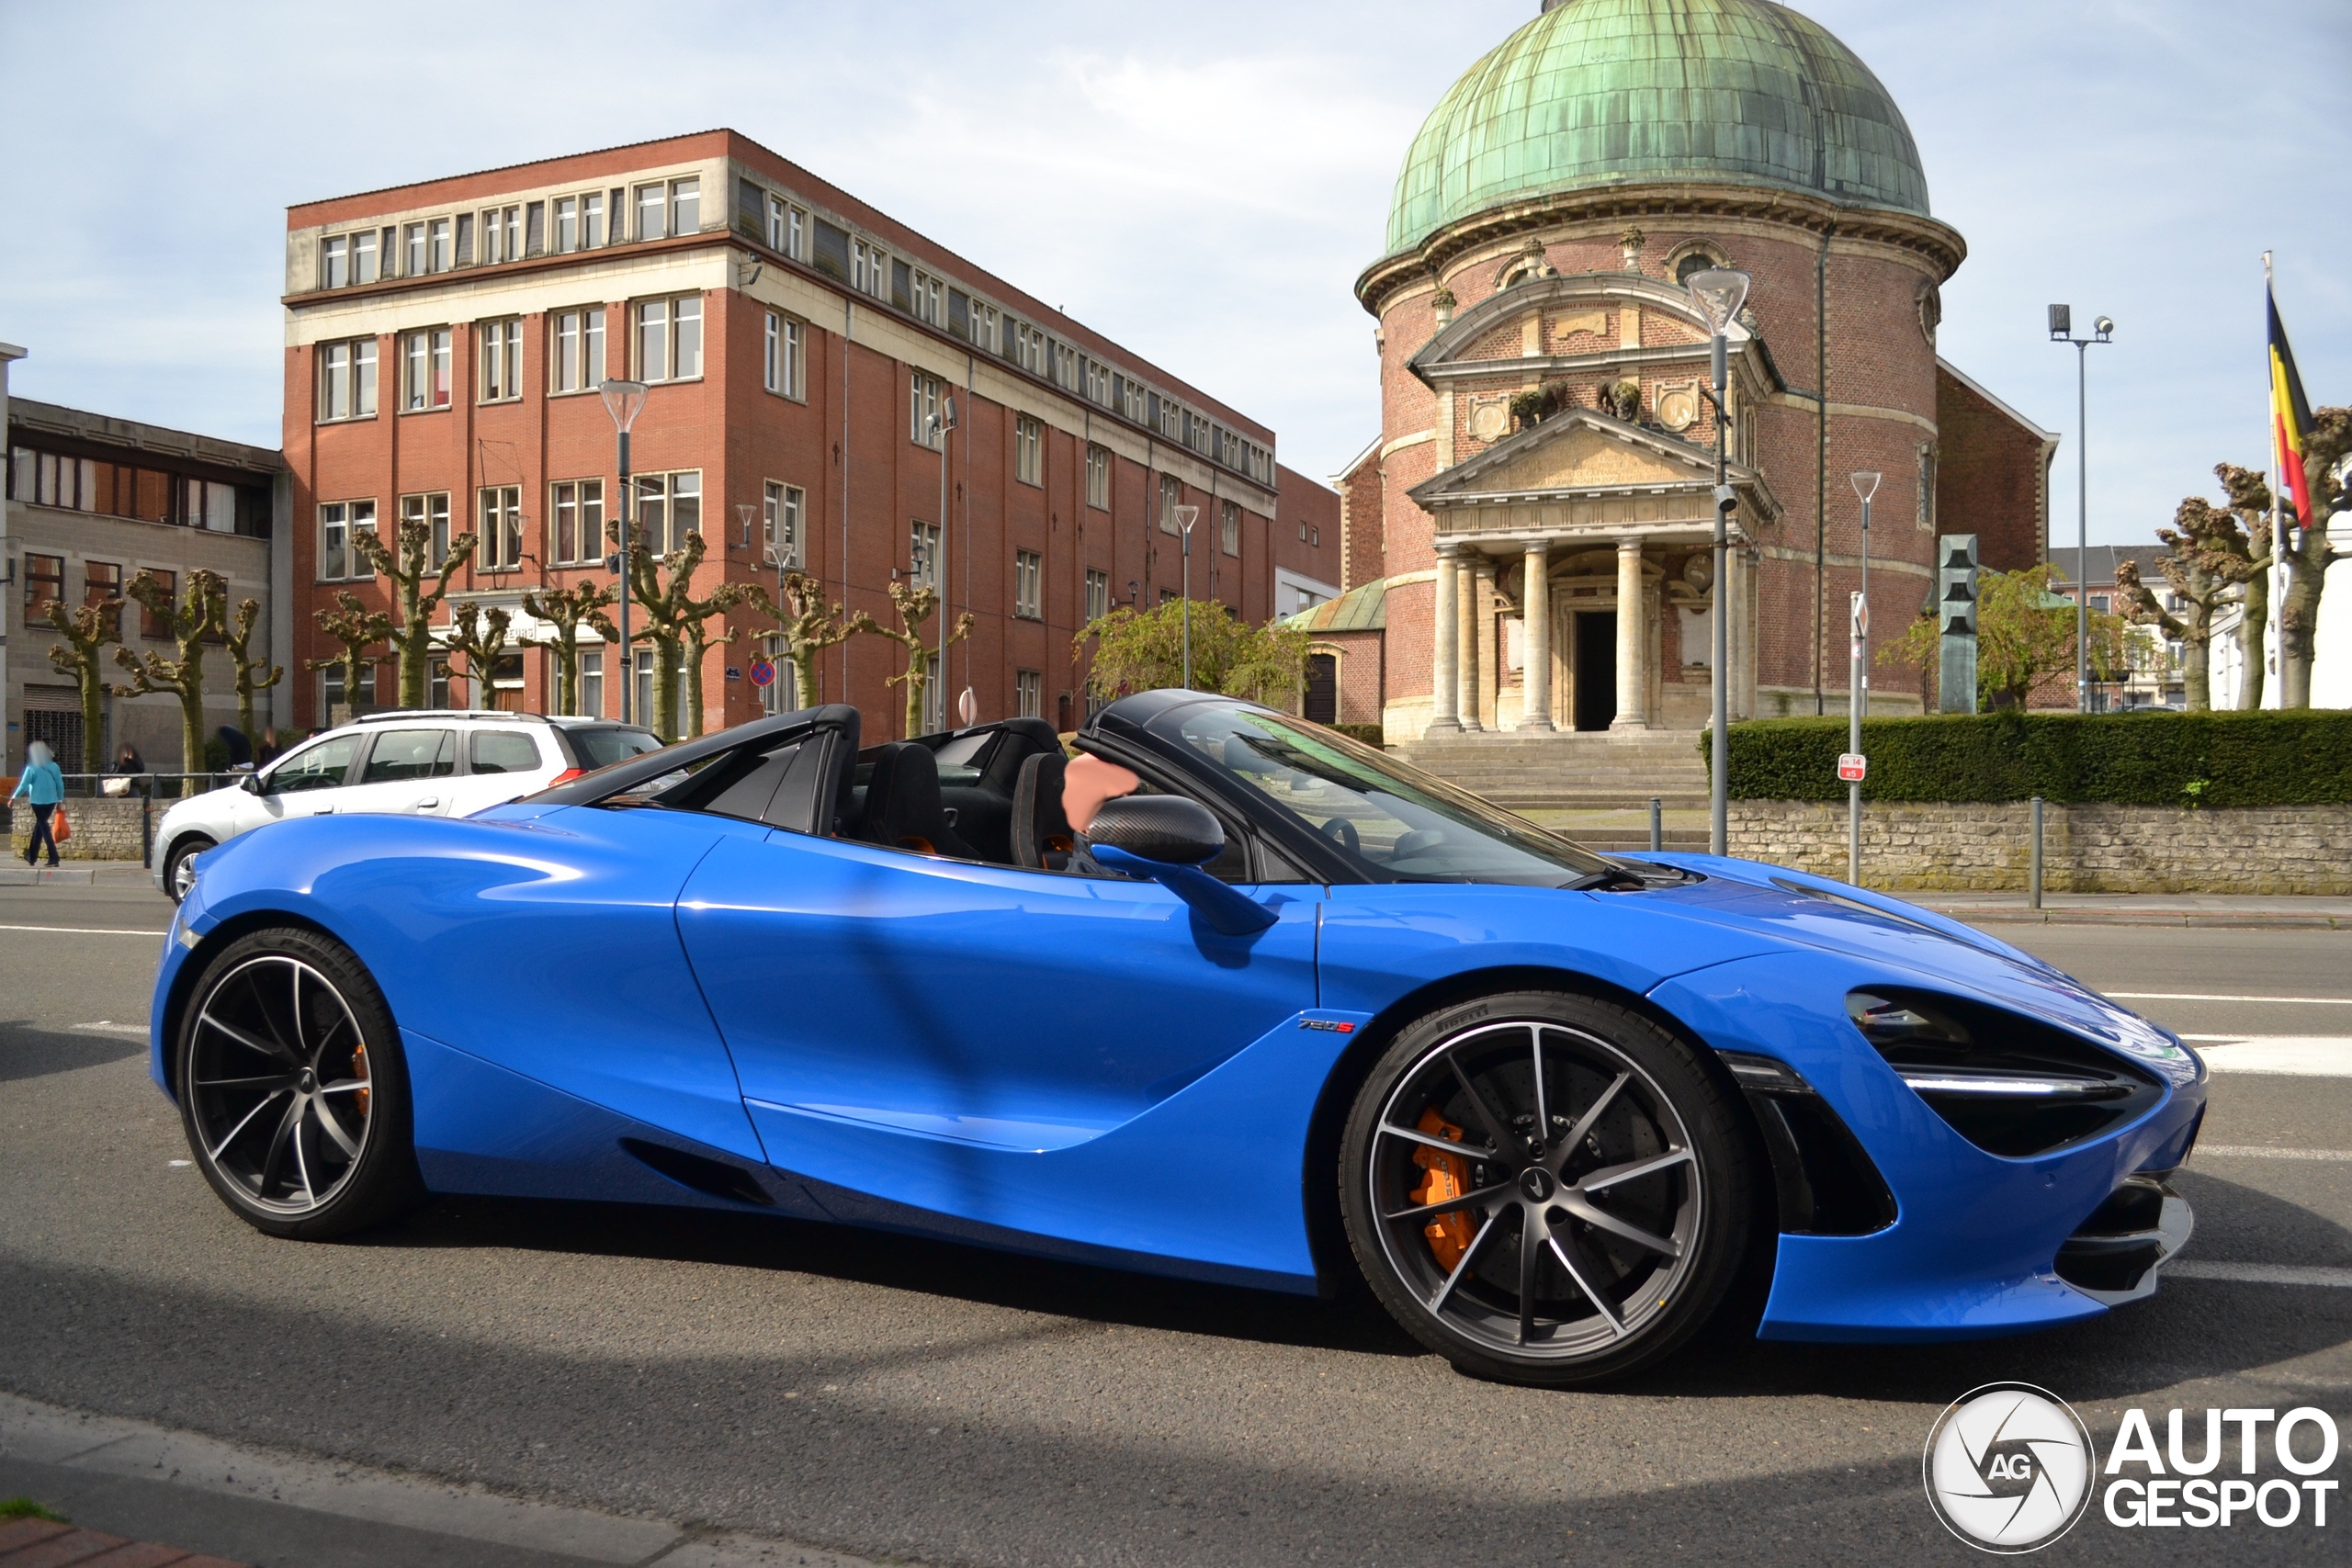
{"x": 177, "y": 874}
{"x": 292, "y": 1087}
{"x": 1636, "y": 1136}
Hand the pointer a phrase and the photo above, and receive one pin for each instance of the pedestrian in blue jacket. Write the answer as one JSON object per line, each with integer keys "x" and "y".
{"x": 43, "y": 784}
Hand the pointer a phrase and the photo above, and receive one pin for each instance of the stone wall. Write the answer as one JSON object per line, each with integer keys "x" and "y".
{"x": 103, "y": 828}
{"x": 2086, "y": 848}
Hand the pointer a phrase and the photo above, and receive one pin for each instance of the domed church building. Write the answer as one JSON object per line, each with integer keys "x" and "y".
{"x": 1526, "y": 542}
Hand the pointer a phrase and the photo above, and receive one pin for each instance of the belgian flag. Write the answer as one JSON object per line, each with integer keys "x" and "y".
{"x": 2290, "y": 417}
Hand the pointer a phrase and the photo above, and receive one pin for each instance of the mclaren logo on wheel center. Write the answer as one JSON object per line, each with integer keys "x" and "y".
{"x": 2008, "y": 1467}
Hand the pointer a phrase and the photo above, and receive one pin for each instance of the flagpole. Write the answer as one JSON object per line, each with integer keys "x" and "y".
{"x": 2274, "y": 647}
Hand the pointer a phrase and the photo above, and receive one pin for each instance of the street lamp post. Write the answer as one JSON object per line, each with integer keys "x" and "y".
{"x": 624, "y": 401}
{"x": 1719, "y": 292}
{"x": 941, "y": 423}
{"x": 1185, "y": 517}
{"x": 1857, "y": 683}
{"x": 2062, "y": 330}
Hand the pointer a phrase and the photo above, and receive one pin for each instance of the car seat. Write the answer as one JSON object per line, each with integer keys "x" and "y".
{"x": 902, "y": 809}
{"x": 1042, "y": 839}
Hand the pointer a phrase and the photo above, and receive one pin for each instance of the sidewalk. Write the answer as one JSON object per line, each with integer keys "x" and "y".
{"x": 37, "y": 1543}
{"x": 76, "y": 873}
{"x": 2140, "y": 909}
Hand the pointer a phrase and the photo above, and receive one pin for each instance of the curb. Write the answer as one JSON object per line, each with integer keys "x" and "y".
{"x": 2165, "y": 918}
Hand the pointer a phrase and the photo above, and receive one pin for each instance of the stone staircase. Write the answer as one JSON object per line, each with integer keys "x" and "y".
{"x": 1602, "y": 781}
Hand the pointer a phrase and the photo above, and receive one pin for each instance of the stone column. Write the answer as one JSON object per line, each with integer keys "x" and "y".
{"x": 1633, "y": 641}
{"x": 1444, "y": 708}
{"x": 1536, "y": 641}
{"x": 1466, "y": 575}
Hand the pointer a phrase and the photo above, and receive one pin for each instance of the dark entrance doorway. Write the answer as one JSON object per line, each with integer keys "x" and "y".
{"x": 1596, "y": 672}
{"x": 1322, "y": 688}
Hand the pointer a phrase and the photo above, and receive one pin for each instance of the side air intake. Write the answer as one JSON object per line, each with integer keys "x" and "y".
{"x": 716, "y": 1178}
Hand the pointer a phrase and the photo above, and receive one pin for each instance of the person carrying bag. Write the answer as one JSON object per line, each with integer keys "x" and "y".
{"x": 43, "y": 785}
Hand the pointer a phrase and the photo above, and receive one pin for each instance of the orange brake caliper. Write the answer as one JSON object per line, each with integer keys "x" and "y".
{"x": 359, "y": 1071}
{"x": 1447, "y": 1178}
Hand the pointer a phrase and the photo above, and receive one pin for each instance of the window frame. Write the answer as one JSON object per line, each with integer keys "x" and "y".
{"x": 498, "y": 519}
{"x": 785, "y": 510}
{"x": 1029, "y": 449}
{"x": 573, "y": 497}
{"x": 338, "y": 522}
{"x": 432, "y": 509}
{"x": 355, "y": 361}
{"x": 1098, "y": 476}
{"x": 667, "y": 492}
{"x": 784, "y": 356}
{"x": 589, "y": 331}
{"x": 499, "y": 354}
{"x": 923, "y": 393}
{"x": 673, "y": 316}
{"x": 435, "y": 350}
{"x": 1098, "y": 593}
{"x": 1028, "y": 585}
{"x": 154, "y": 628}
{"x": 1229, "y": 529}
{"x": 1028, "y": 693}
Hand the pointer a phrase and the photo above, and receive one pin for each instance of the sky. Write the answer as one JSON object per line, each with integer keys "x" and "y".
{"x": 1201, "y": 183}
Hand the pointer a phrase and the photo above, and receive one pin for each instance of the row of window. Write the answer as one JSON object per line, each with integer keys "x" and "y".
{"x": 101, "y": 580}
{"x": 1029, "y": 464}
{"x": 669, "y": 507}
{"x": 124, "y": 489}
{"x": 867, "y": 267}
{"x": 511, "y": 232}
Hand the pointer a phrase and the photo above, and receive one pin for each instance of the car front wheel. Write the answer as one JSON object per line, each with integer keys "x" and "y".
{"x": 179, "y": 867}
{"x": 1546, "y": 1188}
{"x": 293, "y": 1089}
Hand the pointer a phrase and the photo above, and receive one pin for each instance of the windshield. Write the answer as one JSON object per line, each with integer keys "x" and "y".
{"x": 602, "y": 747}
{"x": 1398, "y": 823}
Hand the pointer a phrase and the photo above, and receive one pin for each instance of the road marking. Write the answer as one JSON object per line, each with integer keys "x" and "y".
{"x": 2260, "y": 1273}
{"x": 2304, "y": 1055}
{"x": 2256, "y": 1151}
{"x": 107, "y": 1026}
{"x": 2201, "y": 996}
{"x": 86, "y": 930}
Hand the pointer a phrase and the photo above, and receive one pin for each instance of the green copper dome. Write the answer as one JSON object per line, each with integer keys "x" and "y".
{"x": 1599, "y": 93}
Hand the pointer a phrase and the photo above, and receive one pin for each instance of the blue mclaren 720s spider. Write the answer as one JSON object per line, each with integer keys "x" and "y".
{"x": 1209, "y": 991}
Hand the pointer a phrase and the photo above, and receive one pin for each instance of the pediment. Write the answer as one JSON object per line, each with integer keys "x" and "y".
{"x": 1577, "y": 450}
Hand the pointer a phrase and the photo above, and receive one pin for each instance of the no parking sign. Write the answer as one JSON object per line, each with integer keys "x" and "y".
{"x": 763, "y": 672}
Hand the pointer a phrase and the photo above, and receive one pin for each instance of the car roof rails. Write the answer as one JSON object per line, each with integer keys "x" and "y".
{"x": 388, "y": 715}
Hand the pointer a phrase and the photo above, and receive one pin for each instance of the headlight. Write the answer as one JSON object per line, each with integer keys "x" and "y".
{"x": 2011, "y": 1085}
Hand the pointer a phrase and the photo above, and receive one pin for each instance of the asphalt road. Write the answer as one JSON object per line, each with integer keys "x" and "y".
{"x": 927, "y": 1402}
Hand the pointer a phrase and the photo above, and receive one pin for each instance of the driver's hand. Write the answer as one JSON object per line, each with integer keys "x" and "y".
{"x": 1088, "y": 782}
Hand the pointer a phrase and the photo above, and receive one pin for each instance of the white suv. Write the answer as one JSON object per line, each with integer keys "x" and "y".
{"x": 446, "y": 762}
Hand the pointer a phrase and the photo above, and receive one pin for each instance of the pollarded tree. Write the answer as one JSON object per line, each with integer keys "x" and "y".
{"x": 662, "y": 588}
{"x": 806, "y": 628}
{"x": 406, "y": 567}
{"x": 565, "y": 609}
{"x": 357, "y": 628}
{"x": 2308, "y": 553}
{"x": 2189, "y": 569}
{"x": 915, "y": 607}
{"x": 694, "y": 640}
{"x": 480, "y": 636}
{"x": 2242, "y": 554}
{"x": 86, "y": 628}
{"x": 251, "y": 683}
{"x": 200, "y": 613}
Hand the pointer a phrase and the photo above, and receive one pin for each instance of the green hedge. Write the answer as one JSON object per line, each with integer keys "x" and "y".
{"x": 2140, "y": 759}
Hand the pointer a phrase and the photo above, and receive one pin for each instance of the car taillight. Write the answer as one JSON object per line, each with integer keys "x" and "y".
{"x": 566, "y": 776}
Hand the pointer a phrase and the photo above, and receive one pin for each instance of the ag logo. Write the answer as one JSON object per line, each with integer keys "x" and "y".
{"x": 2008, "y": 1467}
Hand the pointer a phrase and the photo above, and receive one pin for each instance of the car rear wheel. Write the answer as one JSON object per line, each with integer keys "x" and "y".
{"x": 1546, "y": 1188}
{"x": 292, "y": 1087}
{"x": 179, "y": 867}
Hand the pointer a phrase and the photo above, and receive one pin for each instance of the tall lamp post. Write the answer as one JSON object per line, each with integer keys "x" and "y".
{"x": 1185, "y": 517}
{"x": 1857, "y": 683}
{"x": 941, "y": 423}
{"x": 2062, "y": 330}
{"x": 624, "y": 401}
{"x": 1719, "y": 292}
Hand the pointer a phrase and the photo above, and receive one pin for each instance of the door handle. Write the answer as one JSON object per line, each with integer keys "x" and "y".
{"x": 428, "y": 802}
{"x": 326, "y": 811}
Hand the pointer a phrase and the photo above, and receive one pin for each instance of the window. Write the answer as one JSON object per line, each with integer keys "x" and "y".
{"x": 1065, "y": 367}
{"x": 412, "y": 244}
{"x": 669, "y": 507}
{"x": 784, "y": 360}
{"x": 501, "y": 527}
{"x": 577, "y": 512}
{"x": 923, "y": 407}
{"x": 1172, "y": 420}
{"x": 869, "y": 269}
{"x": 501, "y": 360}
{"x": 1028, "y": 694}
{"x": 431, "y": 514}
{"x": 1028, "y": 451}
{"x": 685, "y": 205}
{"x": 592, "y": 220}
{"x": 644, "y": 673}
{"x": 1171, "y": 496}
{"x": 152, "y": 627}
{"x": 781, "y": 526}
{"x": 1097, "y": 477}
{"x": 335, "y": 262}
{"x": 322, "y": 767}
{"x": 339, "y": 560}
{"x": 1098, "y": 382}
{"x": 567, "y": 224}
{"x": 923, "y": 553}
{"x": 668, "y": 339}
{"x": 1098, "y": 594}
{"x": 1134, "y": 402}
{"x": 1229, "y": 529}
{"x": 424, "y": 359}
{"x": 652, "y": 209}
{"x": 787, "y": 227}
{"x": 438, "y": 239}
{"x": 591, "y": 684}
{"x": 927, "y": 298}
{"x": 502, "y": 234}
{"x": 576, "y": 351}
{"x": 399, "y": 755}
{"x": 984, "y": 323}
{"x": 1030, "y": 348}
{"x": 44, "y": 584}
{"x": 102, "y": 580}
{"x": 347, "y": 379}
{"x": 1028, "y": 574}
{"x": 436, "y": 685}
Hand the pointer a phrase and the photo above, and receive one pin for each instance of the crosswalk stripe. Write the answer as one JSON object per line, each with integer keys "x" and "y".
{"x": 2256, "y": 1151}
{"x": 2204, "y": 997}
{"x": 2303, "y": 1055}
{"x": 2259, "y": 1273}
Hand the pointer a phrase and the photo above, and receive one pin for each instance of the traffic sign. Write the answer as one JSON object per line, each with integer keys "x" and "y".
{"x": 1851, "y": 766}
{"x": 763, "y": 672}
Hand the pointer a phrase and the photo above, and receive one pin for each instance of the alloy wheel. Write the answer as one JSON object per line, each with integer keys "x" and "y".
{"x": 279, "y": 1084}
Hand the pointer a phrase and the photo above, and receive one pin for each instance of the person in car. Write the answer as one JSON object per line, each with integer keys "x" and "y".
{"x": 1088, "y": 782}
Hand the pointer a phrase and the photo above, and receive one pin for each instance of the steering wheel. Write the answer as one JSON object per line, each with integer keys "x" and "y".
{"x": 1342, "y": 832}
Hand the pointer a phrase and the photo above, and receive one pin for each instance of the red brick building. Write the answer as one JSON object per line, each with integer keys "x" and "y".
{"x": 445, "y": 341}
{"x": 1532, "y": 523}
